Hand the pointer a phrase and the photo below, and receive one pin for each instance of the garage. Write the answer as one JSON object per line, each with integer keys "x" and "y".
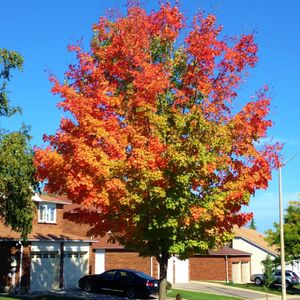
{"x": 44, "y": 266}
{"x": 76, "y": 263}
{"x": 46, "y": 263}
{"x": 236, "y": 272}
{"x": 178, "y": 270}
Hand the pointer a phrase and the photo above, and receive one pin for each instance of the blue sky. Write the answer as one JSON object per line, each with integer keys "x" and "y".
{"x": 41, "y": 31}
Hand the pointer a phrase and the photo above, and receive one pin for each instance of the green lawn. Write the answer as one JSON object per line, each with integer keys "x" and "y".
{"x": 274, "y": 290}
{"x": 253, "y": 287}
{"x": 189, "y": 295}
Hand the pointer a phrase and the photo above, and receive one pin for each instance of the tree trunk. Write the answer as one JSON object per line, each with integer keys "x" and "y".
{"x": 163, "y": 267}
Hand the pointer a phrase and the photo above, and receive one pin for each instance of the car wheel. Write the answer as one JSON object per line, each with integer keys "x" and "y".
{"x": 87, "y": 287}
{"x": 257, "y": 281}
{"x": 288, "y": 284}
{"x": 130, "y": 293}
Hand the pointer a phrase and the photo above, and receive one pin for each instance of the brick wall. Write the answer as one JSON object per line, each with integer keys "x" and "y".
{"x": 213, "y": 268}
{"x": 126, "y": 260}
{"x": 48, "y": 228}
{"x": 207, "y": 268}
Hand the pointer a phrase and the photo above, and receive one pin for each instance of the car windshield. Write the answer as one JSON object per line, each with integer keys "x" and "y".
{"x": 143, "y": 275}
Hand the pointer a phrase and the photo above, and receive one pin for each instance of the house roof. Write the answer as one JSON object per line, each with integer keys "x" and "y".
{"x": 227, "y": 251}
{"x": 52, "y": 198}
{"x": 255, "y": 238}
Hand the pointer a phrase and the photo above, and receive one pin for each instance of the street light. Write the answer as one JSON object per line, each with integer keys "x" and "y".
{"x": 282, "y": 252}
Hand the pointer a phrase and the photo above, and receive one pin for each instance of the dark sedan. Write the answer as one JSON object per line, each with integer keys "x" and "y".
{"x": 130, "y": 282}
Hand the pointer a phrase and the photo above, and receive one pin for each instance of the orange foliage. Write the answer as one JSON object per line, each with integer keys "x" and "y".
{"x": 153, "y": 144}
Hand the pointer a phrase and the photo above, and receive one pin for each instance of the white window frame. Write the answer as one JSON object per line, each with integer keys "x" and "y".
{"x": 47, "y": 213}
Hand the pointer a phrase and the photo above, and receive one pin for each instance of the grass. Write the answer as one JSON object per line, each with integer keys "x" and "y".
{"x": 253, "y": 287}
{"x": 189, "y": 295}
{"x": 276, "y": 290}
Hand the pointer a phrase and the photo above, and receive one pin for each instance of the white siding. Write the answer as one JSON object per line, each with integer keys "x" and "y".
{"x": 294, "y": 266}
{"x": 258, "y": 253}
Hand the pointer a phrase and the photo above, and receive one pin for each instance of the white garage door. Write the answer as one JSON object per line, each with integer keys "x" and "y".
{"x": 181, "y": 271}
{"x": 76, "y": 263}
{"x": 245, "y": 272}
{"x": 178, "y": 270}
{"x": 236, "y": 272}
{"x": 44, "y": 270}
{"x": 75, "y": 266}
{"x": 45, "y": 264}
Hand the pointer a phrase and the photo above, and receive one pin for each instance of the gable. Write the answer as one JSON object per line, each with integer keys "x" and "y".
{"x": 249, "y": 240}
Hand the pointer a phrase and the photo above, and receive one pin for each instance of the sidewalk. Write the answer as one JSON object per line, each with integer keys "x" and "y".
{"x": 220, "y": 289}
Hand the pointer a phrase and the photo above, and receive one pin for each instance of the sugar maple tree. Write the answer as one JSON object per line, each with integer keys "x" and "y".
{"x": 155, "y": 150}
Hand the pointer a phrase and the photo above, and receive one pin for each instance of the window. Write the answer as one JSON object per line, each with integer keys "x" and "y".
{"x": 47, "y": 212}
{"x": 109, "y": 275}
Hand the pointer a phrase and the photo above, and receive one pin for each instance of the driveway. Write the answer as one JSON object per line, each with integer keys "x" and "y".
{"x": 219, "y": 289}
{"x": 77, "y": 293}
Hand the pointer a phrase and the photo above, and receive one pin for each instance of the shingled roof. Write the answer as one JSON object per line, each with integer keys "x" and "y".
{"x": 254, "y": 237}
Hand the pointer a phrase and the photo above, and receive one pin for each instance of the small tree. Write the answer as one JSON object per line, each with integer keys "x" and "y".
{"x": 252, "y": 224}
{"x": 268, "y": 271}
{"x": 291, "y": 232}
{"x": 16, "y": 157}
{"x": 155, "y": 151}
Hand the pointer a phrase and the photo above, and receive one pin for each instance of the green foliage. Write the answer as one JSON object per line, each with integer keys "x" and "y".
{"x": 16, "y": 158}
{"x": 252, "y": 224}
{"x": 16, "y": 181}
{"x": 269, "y": 268}
{"x": 291, "y": 232}
{"x": 9, "y": 60}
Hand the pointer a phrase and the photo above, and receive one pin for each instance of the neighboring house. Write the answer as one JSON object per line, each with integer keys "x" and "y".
{"x": 253, "y": 242}
{"x": 226, "y": 264}
{"x": 56, "y": 254}
{"x": 112, "y": 255}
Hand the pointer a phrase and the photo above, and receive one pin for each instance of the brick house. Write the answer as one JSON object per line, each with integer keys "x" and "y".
{"x": 55, "y": 255}
{"x": 226, "y": 264}
{"x": 249, "y": 240}
{"x": 58, "y": 252}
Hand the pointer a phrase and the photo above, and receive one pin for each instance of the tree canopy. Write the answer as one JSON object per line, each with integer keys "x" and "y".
{"x": 291, "y": 232}
{"x": 155, "y": 149}
{"x": 9, "y": 60}
{"x": 16, "y": 157}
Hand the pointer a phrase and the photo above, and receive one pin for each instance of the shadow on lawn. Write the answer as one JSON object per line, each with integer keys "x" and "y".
{"x": 290, "y": 291}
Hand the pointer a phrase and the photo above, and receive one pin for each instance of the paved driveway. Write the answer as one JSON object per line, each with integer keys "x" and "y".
{"x": 77, "y": 293}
